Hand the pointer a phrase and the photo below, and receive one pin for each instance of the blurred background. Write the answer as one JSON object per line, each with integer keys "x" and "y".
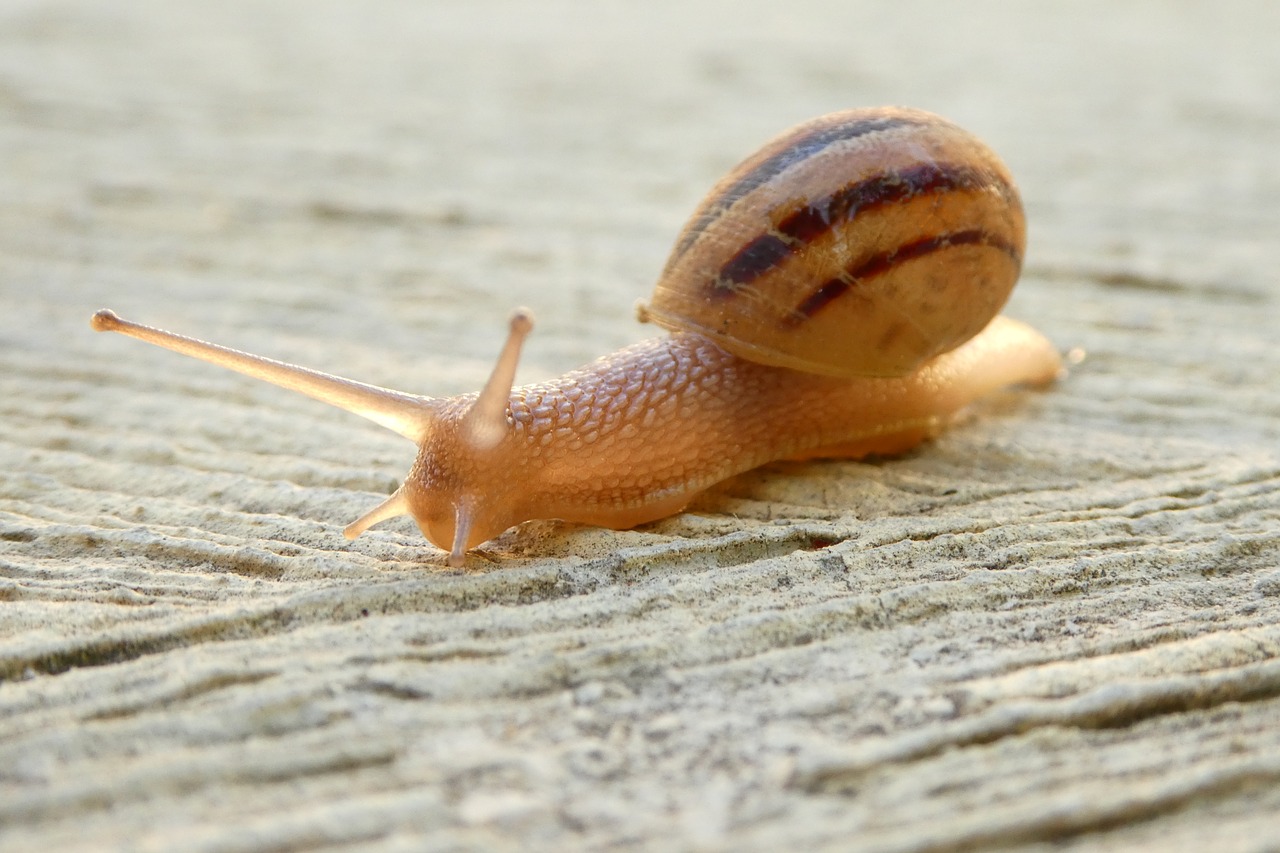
{"x": 402, "y": 165}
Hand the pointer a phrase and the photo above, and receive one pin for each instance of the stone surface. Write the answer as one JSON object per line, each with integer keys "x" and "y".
{"x": 1058, "y": 625}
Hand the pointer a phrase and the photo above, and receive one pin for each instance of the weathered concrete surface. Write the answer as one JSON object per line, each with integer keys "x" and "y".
{"x": 1060, "y": 624}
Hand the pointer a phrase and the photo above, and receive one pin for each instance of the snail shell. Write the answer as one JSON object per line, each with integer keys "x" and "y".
{"x": 862, "y": 243}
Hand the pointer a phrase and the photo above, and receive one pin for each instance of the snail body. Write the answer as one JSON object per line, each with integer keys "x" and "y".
{"x": 890, "y": 236}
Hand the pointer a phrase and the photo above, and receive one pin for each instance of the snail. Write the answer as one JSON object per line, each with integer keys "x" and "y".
{"x": 835, "y": 295}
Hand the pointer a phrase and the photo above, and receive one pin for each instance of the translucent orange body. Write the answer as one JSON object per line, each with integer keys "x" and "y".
{"x": 635, "y": 436}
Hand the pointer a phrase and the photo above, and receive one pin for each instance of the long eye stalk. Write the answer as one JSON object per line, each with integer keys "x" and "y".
{"x": 412, "y": 416}
{"x": 486, "y": 423}
{"x": 409, "y": 415}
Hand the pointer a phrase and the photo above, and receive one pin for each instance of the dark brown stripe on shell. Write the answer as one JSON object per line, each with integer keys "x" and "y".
{"x": 883, "y": 262}
{"x": 801, "y": 148}
{"x": 805, "y": 225}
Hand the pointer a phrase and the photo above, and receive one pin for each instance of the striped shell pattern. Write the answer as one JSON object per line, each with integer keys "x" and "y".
{"x": 861, "y": 243}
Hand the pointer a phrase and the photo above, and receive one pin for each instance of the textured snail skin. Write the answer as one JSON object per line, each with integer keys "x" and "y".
{"x": 635, "y": 436}
{"x": 872, "y": 248}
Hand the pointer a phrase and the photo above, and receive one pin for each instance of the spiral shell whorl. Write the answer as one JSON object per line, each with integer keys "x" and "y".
{"x": 861, "y": 243}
